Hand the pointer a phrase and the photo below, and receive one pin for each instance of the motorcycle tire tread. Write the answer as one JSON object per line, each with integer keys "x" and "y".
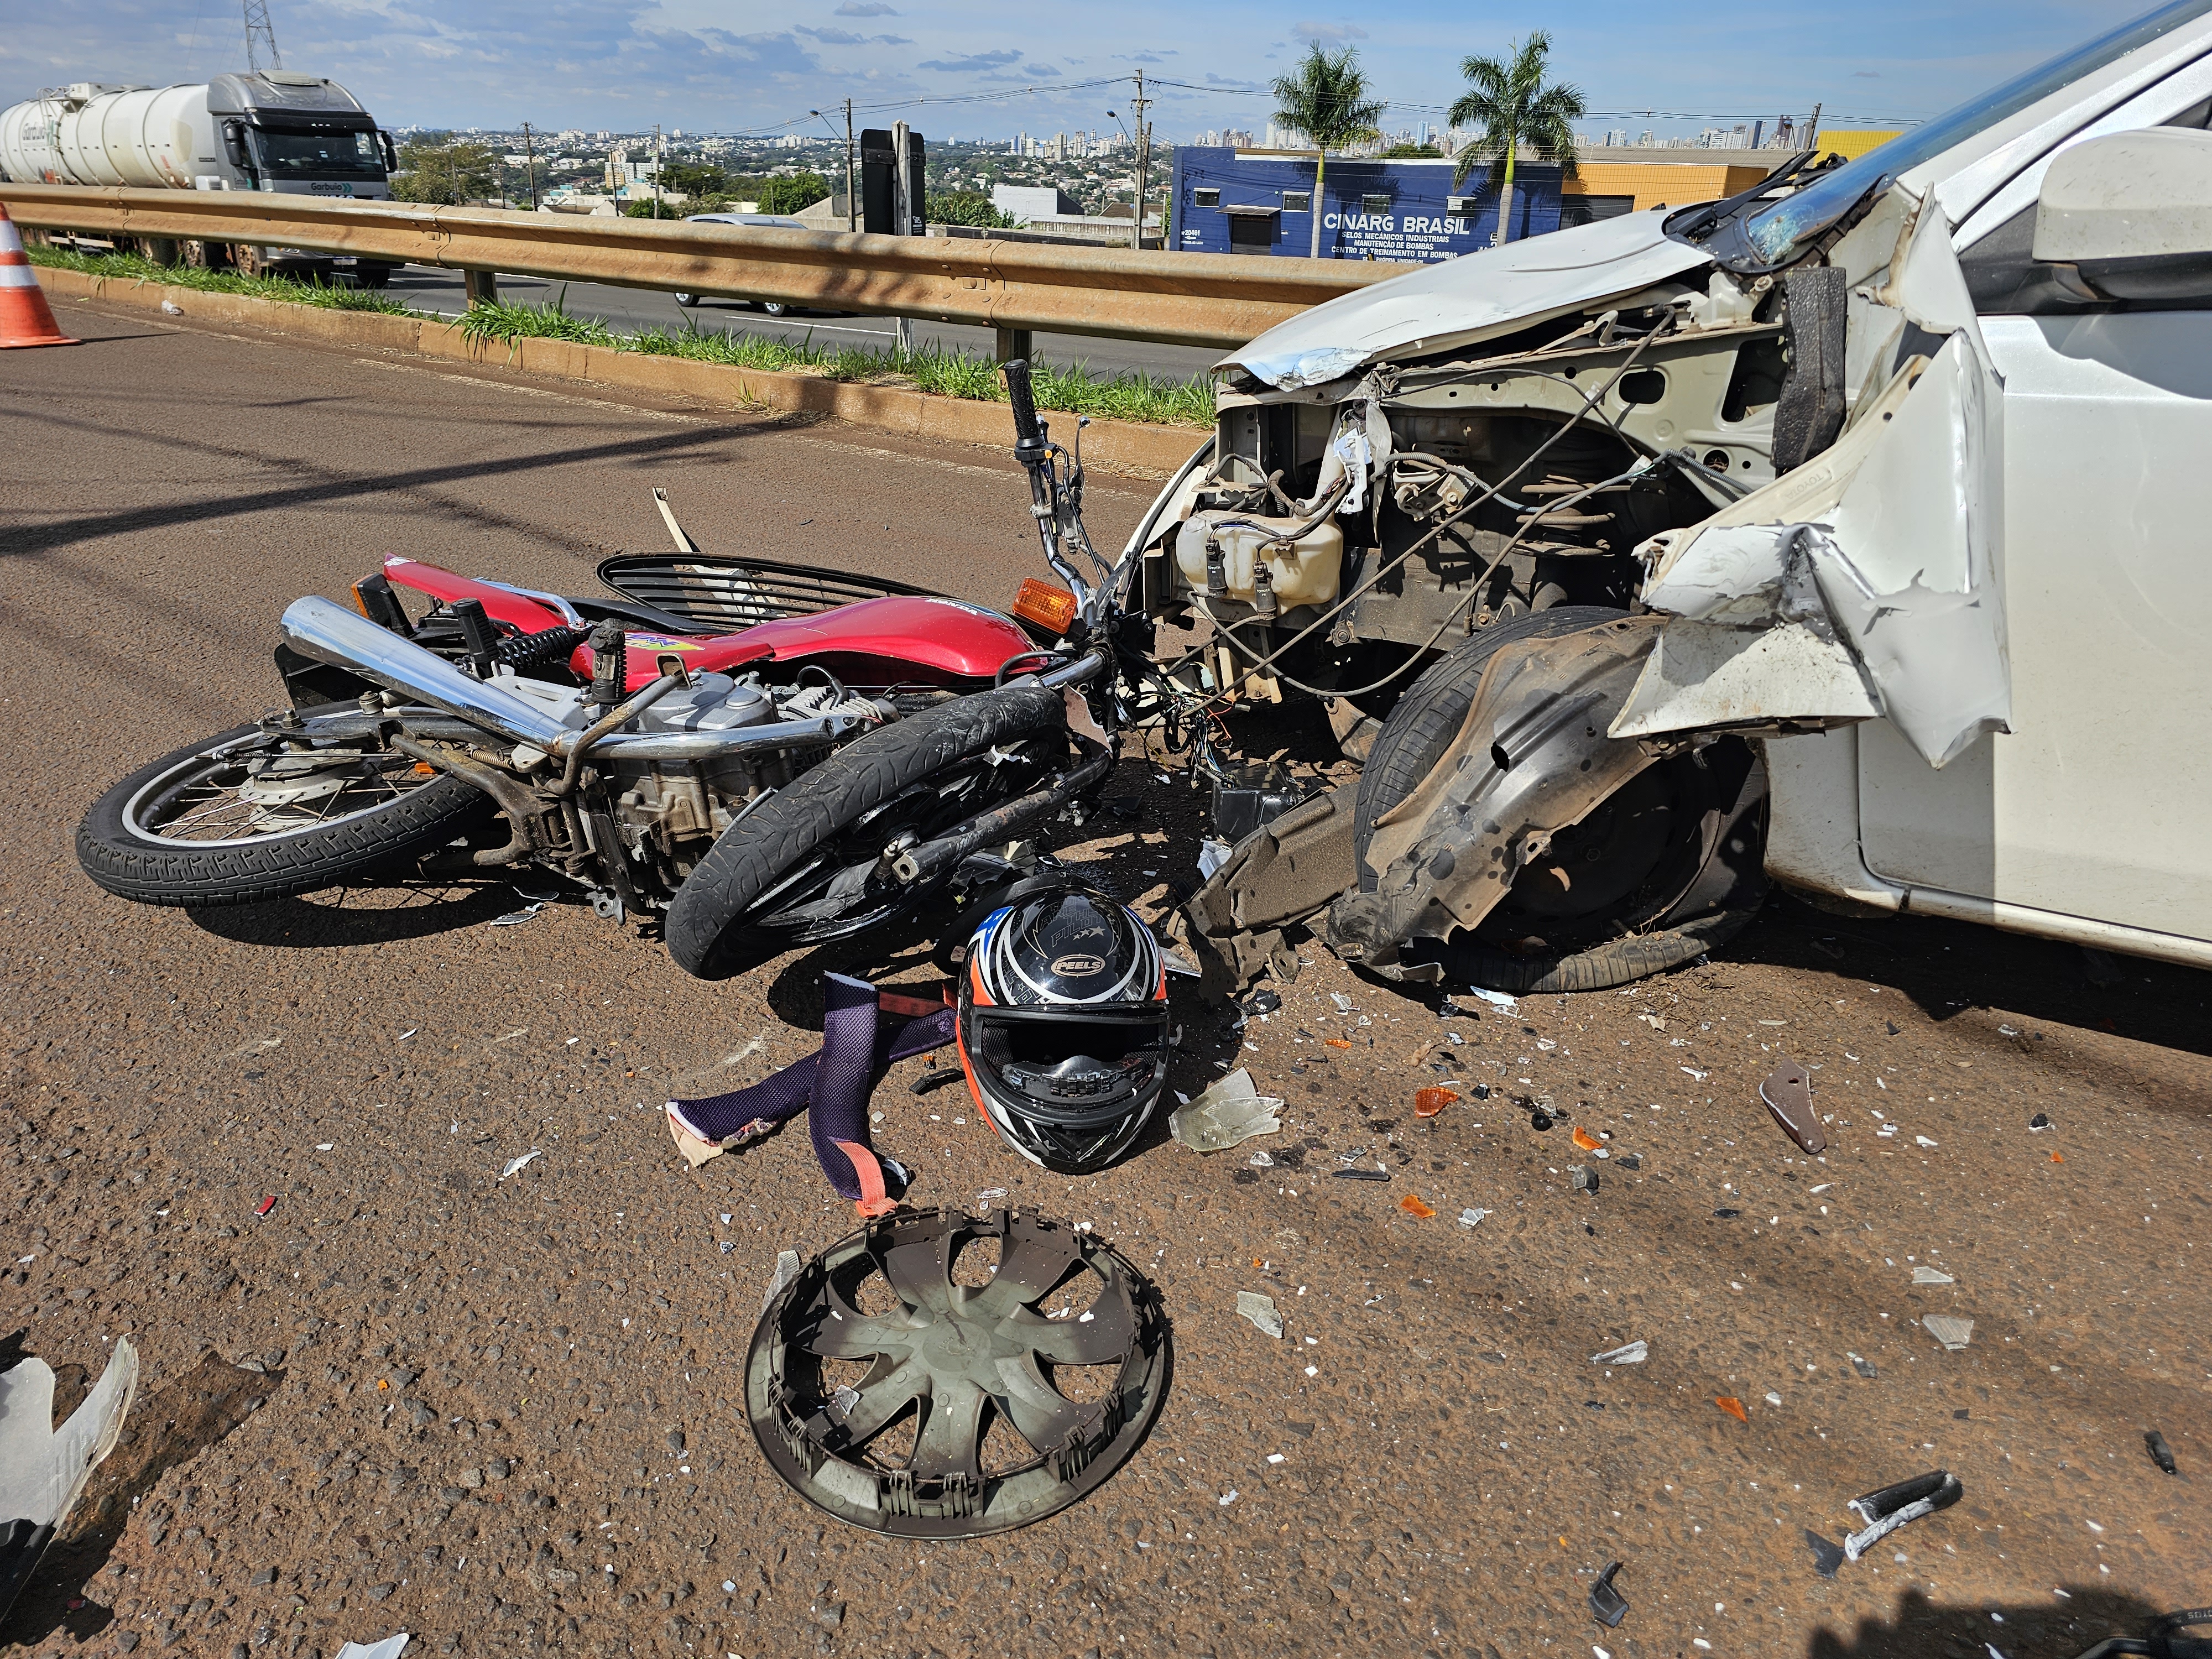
{"x": 753, "y": 853}
{"x": 179, "y": 876}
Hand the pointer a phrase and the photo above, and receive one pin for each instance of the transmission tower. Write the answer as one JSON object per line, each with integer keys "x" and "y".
{"x": 260, "y": 38}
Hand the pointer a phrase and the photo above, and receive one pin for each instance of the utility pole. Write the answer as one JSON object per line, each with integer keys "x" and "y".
{"x": 902, "y": 217}
{"x": 1144, "y": 160}
{"x": 659, "y": 167}
{"x": 852, "y": 192}
{"x": 530, "y": 162}
{"x": 1813, "y": 129}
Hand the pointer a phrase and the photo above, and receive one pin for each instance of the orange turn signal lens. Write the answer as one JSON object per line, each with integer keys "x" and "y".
{"x": 1050, "y": 608}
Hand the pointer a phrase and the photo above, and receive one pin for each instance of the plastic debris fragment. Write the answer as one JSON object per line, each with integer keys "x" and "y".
{"x": 265, "y": 1204}
{"x": 43, "y": 1468}
{"x": 1629, "y": 1353}
{"x": 1428, "y": 1103}
{"x": 1262, "y": 1001}
{"x": 1581, "y": 1178}
{"x": 1335, "y": 1042}
{"x": 1864, "y": 1367}
{"x": 1415, "y": 1207}
{"x": 1229, "y": 1112}
{"x": 516, "y": 1163}
{"x": 1607, "y": 1602}
{"x": 1361, "y": 1174}
{"x": 1472, "y": 1217}
{"x": 1585, "y": 1140}
{"x": 2039, "y": 1123}
{"x": 1953, "y": 1334}
{"x": 1931, "y": 1276}
{"x": 1261, "y": 1161}
{"x": 1176, "y": 962}
{"x": 1211, "y": 855}
{"x": 1788, "y": 1093}
{"x": 1827, "y": 1555}
{"x": 787, "y": 1265}
{"x": 2160, "y": 1453}
{"x": 390, "y": 1648}
{"x": 1261, "y": 1310}
{"x": 1733, "y": 1406}
{"x": 1496, "y": 999}
{"x": 1343, "y": 1002}
{"x": 1893, "y": 1507}
{"x": 1923, "y": 1141}
{"x": 516, "y": 918}
{"x": 1772, "y": 1398}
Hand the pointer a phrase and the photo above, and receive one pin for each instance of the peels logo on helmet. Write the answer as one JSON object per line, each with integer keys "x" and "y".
{"x": 1079, "y": 966}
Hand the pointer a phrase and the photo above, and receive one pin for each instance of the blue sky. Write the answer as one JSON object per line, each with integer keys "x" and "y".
{"x": 625, "y": 64}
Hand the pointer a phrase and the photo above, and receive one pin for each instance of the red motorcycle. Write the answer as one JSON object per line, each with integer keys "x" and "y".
{"x": 664, "y": 749}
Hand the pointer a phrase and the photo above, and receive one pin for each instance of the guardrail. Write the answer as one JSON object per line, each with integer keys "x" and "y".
{"x": 1182, "y": 298}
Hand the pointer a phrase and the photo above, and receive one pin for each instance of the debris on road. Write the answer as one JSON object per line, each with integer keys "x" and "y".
{"x": 1864, "y": 1367}
{"x": 2160, "y": 1453}
{"x": 2039, "y": 1123}
{"x": 1931, "y": 1276}
{"x": 1211, "y": 855}
{"x": 265, "y": 1204}
{"x": 1886, "y": 1511}
{"x": 44, "y": 1469}
{"x": 516, "y": 918}
{"x": 1629, "y": 1353}
{"x": 1582, "y": 1178}
{"x": 390, "y": 1648}
{"x": 1497, "y": 999}
{"x": 1360, "y": 1174}
{"x": 1827, "y": 1555}
{"x": 1414, "y": 1206}
{"x": 1429, "y": 1102}
{"x": 1586, "y": 1140}
{"x": 1953, "y": 1333}
{"x": 1261, "y": 1312}
{"x": 1733, "y": 1406}
{"x": 513, "y": 1164}
{"x": 1472, "y": 1217}
{"x": 1229, "y": 1112}
{"x": 1607, "y": 1602}
{"x": 1788, "y": 1093}
{"x": 1261, "y": 1002}
{"x": 787, "y": 1265}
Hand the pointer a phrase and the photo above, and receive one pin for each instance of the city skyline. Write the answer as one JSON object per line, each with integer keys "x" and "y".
{"x": 625, "y": 64}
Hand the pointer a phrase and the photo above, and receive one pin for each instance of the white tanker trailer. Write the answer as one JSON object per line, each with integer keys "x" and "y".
{"x": 274, "y": 131}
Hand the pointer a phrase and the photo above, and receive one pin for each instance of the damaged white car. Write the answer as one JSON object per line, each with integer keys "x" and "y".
{"x": 1849, "y": 533}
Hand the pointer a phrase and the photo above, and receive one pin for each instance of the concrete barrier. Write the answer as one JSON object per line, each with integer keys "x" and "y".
{"x": 1124, "y": 447}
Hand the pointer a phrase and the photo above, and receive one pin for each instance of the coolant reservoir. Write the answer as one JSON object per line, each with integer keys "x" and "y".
{"x": 1305, "y": 572}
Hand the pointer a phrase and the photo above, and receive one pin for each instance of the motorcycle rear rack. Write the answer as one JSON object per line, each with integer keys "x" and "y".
{"x": 723, "y": 595}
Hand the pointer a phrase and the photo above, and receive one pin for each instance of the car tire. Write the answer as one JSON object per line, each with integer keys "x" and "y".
{"x": 687, "y": 301}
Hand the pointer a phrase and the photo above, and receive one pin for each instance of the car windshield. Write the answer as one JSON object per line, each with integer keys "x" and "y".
{"x": 1774, "y": 229}
{"x": 326, "y": 154}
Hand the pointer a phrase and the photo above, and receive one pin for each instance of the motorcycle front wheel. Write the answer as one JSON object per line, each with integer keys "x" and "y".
{"x": 239, "y": 818}
{"x": 812, "y": 862}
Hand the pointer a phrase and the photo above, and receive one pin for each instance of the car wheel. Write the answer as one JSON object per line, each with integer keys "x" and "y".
{"x": 774, "y": 308}
{"x": 687, "y": 301}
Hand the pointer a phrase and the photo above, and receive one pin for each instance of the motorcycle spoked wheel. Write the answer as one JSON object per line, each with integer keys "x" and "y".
{"x": 810, "y": 863}
{"x": 181, "y": 832}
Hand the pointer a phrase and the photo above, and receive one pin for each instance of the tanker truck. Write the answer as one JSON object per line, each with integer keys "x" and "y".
{"x": 270, "y": 129}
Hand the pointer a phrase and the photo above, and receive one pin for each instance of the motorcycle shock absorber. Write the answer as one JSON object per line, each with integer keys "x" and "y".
{"x": 610, "y": 658}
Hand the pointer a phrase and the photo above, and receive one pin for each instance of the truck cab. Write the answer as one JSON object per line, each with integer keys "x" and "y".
{"x": 288, "y": 133}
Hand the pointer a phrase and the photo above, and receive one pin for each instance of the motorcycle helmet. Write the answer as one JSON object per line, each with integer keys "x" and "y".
{"x": 1063, "y": 1025}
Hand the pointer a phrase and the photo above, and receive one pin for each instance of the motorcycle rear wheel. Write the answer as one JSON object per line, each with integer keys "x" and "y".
{"x": 178, "y": 832}
{"x": 808, "y": 864}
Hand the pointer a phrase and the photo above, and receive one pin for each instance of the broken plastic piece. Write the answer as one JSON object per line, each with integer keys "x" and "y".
{"x": 1629, "y": 1353}
{"x": 1343, "y": 1002}
{"x": 1733, "y": 1406}
{"x": 1427, "y": 1102}
{"x": 265, "y": 1204}
{"x": 787, "y": 1265}
{"x": 1496, "y": 999}
{"x": 1953, "y": 1334}
{"x": 1607, "y": 1602}
{"x": 1211, "y": 855}
{"x": 1583, "y": 1179}
{"x": 516, "y": 1163}
{"x": 390, "y": 1648}
{"x": 1335, "y": 1042}
{"x": 1229, "y": 1113}
{"x": 1930, "y": 1276}
{"x": 1261, "y": 1310}
{"x": 1414, "y": 1206}
{"x": 516, "y": 918}
{"x": 43, "y": 1470}
{"x": 1585, "y": 1140}
{"x": 1788, "y": 1093}
{"x": 1361, "y": 1174}
{"x": 2160, "y": 1453}
{"x": 1472, "y": 1217}
{"x": 1261, "y": 1002}
{"x": 2040, "y": 1120}
{"x": 1886, "y": 1511}
{"x": 1864, "y": 1367}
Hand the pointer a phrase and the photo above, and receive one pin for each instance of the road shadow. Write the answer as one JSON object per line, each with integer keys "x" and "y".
{"x": 1921, "y": 1629}
{"x": 170, "y": 1426}
{"x": 368, "y": 915}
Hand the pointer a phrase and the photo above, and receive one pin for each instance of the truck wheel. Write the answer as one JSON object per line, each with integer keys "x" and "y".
{"x": 249, "y": 261}
{"x": 1669, "y": 867}
{"x": 373, "y": 275}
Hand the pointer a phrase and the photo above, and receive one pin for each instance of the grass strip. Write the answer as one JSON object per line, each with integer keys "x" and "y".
{"x": 1072, "y": 388}
{"x": 290, "y": 290}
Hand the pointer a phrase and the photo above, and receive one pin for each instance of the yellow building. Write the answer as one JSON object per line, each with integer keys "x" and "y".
{"x": 1613, "y": 183}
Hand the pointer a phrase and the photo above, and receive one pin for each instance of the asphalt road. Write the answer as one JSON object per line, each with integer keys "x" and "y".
{"x": 504, "y": 1414}
{"x": 427, "y": 289}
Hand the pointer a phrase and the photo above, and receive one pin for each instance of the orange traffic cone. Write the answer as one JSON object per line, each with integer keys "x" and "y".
{"x": 26, "y": 320}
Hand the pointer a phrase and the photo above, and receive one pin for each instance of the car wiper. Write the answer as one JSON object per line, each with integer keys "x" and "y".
{"x": 1694, "y": 224}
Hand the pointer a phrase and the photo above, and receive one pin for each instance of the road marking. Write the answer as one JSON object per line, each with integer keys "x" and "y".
{"x": 540, "y": 391}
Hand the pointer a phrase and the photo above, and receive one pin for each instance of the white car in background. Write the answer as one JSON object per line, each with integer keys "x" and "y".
{"x": 1916, "y": 614}
{"x": 765, "y": 221}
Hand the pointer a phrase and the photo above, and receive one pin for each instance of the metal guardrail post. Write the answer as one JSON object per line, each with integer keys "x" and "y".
{"x": 480, "y": 286}
{"x": 1012, "y": 342}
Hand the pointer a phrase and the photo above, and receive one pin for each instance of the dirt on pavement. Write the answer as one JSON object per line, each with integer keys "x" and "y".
{"x": 506, "y": 1414}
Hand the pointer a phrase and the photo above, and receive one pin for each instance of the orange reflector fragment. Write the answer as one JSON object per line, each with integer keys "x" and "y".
{"x": 2055, "y": 1158}
{"x": 1050, "y": 608}
{"x": 1585, "y": 1140}
{"x": 1334, "y": 1043}
{"x": 1414, "y": 1206}
{"x": 1733, "y": 1406}
{"x": 1427, "y": 1102}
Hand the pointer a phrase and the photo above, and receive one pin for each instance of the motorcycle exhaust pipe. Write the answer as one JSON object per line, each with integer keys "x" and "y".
{"x": 331, "y": 633}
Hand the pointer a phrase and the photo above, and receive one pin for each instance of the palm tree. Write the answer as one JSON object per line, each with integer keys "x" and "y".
{"x": 1513, "y": 107}
{"x": 1327, "y": 100}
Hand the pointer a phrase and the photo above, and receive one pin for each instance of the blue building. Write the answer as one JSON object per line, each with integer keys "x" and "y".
{"x": 1230, "y": 201}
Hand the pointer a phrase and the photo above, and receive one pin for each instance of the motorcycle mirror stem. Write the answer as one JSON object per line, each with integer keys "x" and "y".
{"x": 1035, "y": 453}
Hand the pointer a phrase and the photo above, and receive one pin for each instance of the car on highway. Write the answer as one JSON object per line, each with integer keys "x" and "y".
{"x": 1847, "y": 532}
{"x": 759, "y": 221}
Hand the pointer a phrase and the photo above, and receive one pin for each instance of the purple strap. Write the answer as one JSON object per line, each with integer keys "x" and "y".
{"x": 835, "y": 1082}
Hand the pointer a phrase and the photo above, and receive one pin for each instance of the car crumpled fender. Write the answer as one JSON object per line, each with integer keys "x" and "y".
{"x": 1863, "y": 583}
{"x": 1532, "y": 758}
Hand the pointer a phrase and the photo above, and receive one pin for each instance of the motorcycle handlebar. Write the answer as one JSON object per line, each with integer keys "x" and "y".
{"x": 1029, "y": 438}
